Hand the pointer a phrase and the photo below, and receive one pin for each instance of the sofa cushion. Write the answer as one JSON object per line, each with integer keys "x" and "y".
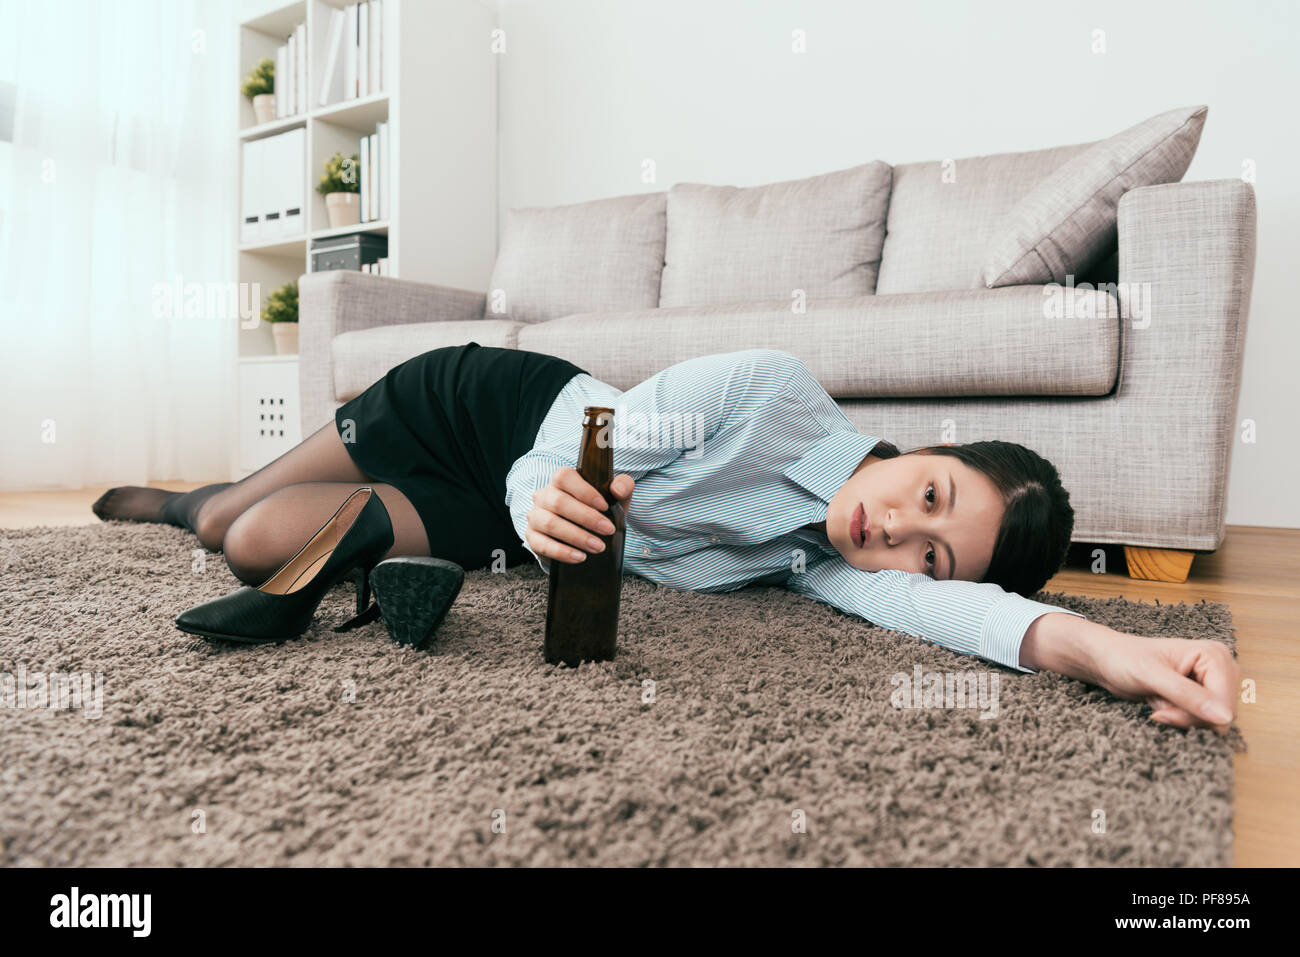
{"x": 942, "y": 214}
{"x": 977, "y": 342}
{"x": 364, "y": 356}
{"x": 1066, "y": 223}
{"x": 730, "y": 244}
{"x": 603, "y": 254}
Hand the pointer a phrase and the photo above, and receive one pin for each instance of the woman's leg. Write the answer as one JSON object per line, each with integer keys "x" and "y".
{"x": 272, "y": 530}
{"x": 207, "y": 511}
{"x": 321, "y": 457}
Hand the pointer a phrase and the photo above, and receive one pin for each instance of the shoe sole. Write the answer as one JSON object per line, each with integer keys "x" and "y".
{"x": 238, "y": 639}
{"x": 414, "y": 594}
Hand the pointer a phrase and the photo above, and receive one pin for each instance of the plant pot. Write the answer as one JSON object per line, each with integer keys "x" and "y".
{"x": 286, "y": 338}
{"x": 264, "y": 107}
{"x": 344, "y": 209}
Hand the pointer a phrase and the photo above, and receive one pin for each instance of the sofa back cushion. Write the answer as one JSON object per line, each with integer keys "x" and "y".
{"x": 1066, "y": 223}
{"x": 822, "y": 235}
{"x": 943, "y": 213}
{"x": 597, "y": 256}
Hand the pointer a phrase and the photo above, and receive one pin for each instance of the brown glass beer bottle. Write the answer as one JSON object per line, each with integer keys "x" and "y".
{"x": 582, "y": 607}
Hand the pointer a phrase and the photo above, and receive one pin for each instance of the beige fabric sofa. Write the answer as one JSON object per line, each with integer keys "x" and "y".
{"x": 1130, "y": 388}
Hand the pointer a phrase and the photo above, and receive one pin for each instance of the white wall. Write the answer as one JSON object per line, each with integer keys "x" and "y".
{"x": 710, "y": 90}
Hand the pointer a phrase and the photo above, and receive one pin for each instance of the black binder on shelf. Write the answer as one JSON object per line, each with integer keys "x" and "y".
{"x": 350, "y": 251}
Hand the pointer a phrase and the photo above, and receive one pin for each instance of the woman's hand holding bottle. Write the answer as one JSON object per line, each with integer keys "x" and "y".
{"x": 567, "y": 511}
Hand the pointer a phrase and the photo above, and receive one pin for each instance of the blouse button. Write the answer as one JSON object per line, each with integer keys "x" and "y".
{"x": 645, "y": 549}
{"x": 713, "y": 538}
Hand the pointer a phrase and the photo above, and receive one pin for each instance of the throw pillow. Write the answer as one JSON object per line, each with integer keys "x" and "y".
{"x": 749, "y": 244}
{"x": 606, "y": 254}
{"x": 1067, "y": 222}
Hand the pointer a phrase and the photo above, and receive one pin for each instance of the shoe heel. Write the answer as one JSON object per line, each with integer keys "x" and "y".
{"x": 363, "y": 589}
{"x": 415, "y": 593}
{"x": 366, "y": 612}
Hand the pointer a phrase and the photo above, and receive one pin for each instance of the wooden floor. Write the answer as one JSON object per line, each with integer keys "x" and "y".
{"x": 1254, "y": 573}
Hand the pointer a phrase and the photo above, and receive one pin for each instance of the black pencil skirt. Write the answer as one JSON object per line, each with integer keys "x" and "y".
{"x": 444, "y": 428}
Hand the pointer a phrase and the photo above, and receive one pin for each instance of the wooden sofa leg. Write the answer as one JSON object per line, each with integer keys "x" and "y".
{"x": 1158, "y": 564}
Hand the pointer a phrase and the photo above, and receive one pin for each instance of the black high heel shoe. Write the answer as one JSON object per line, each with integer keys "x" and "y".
{"x": 415, "y": 593}
{"x": 352, "y": 542}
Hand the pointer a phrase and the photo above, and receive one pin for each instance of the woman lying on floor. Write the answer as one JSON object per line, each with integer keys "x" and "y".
{"x": 467, "y": 454}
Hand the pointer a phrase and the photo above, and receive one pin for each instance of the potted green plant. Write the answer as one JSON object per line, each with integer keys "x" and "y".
{"x": 281, "y": 310}
{"x": 341, "y": 187}
{"x": 259, "y": 86}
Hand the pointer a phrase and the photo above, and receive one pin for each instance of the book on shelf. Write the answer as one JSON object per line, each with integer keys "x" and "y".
{"x": 281, "y": 93}
{"x": 363, "y": 151}
{"x": 349, "y": 41}
{"x": 385, "y": 164}
{"x": 375, "y": 54}
{"x": 291, "y": 74}
{"x": 356, "y": 45}
{"x": 300, "y": 69}
{"x": 331, "y": 90}
{"x": 374, "y": 175}
{"x": 363, "y": 49}
{"x": 372, "y": 150}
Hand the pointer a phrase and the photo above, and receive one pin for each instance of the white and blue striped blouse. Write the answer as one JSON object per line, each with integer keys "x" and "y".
{"x": 732, "y": 454}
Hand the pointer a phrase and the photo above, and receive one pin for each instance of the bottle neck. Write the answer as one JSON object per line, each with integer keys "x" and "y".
{"x": 596, "y": 453}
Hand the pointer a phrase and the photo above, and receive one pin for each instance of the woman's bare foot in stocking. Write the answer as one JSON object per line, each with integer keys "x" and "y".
{"x": 134, "y": 503}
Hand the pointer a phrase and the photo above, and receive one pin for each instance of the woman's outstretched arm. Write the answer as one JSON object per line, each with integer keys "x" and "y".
{"x": 1176, "y": 677}
{"x": 973, "y": 618}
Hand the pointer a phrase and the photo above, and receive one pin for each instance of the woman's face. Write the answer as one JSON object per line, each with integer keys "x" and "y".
{"x": 925, "y": 513}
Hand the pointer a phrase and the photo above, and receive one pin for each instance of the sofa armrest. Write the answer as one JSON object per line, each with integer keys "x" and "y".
{"x": 337, "y": 301}
{"x": 1186, "y": 265}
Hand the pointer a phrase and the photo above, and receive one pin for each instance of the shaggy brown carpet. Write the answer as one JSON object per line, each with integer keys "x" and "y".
{"x": 754, "y": 728}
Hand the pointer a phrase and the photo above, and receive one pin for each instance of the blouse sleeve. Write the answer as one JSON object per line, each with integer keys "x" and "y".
{"x": 977, "y": 618}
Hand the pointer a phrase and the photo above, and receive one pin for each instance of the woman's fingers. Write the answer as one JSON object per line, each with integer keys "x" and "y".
{"x": 1157, "y": 670}
{"x": 1187, "y": 683}
{"x": 569, "y": 480}
{"x": 550, "y": 536}
{"x": 1176, "y": 717}
{"x": 562, "y": 530}
{"x": 563, "y": 503}
{"x": 622, "y": 487}
{"x": 1168, "y": 680}
{"x": 549, "y": 548}
{"x": 1216, "y": 669}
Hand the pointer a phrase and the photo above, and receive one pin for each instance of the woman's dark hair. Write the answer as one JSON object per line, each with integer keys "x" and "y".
{"x": 1035, "y": 534}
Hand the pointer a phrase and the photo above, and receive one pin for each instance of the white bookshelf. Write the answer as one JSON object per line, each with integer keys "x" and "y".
{"x": 439, "y": 98}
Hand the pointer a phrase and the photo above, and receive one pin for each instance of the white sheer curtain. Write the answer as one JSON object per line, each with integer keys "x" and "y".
{"x": 117, "y": 180}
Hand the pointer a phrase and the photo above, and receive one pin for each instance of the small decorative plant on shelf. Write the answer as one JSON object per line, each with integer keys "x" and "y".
{"x": 341, "y": 187}
{"x": 281, "y": 310}
{"x": 259, "y": 87}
